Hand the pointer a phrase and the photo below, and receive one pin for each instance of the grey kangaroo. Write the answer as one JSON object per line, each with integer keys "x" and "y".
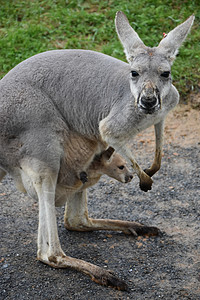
{"x": 113, "y": 165}
{"x": 55, "y": 100}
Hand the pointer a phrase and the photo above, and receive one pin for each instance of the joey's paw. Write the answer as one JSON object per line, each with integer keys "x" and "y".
{"x": 107, "y": 278}
{"x": 83, "y": 177}
{"x": 145, "y": 185}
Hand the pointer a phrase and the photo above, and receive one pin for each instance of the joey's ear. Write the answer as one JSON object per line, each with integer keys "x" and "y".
{"x": 108, "y": 153}
{"x": 127, "y": 35}
{"x": 171, "y": 43}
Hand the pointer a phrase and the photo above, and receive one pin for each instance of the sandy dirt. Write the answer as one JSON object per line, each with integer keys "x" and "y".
{"x": 164, "y": 267}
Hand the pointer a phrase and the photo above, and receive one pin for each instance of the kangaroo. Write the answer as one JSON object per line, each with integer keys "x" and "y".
{"x": 112, "y": 165}
{"x": 57, "y": 94}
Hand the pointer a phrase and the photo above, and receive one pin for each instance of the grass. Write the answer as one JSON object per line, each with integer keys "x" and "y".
{"x": 28, "y": 27}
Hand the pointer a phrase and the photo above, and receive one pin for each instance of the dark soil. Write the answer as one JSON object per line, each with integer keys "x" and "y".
{"x": 164, "y": 267}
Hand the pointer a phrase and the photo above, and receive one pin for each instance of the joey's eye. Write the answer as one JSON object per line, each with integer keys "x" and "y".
{"x": 134, "y": 74}
{"x": 121, "y": 167}
{"x": 165, "y": 74}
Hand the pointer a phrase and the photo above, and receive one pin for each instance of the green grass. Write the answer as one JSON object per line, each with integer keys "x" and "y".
{"x": 28, "y": 27}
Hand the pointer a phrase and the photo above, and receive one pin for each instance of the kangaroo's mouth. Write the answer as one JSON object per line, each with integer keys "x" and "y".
{"x": 149, "y": 105}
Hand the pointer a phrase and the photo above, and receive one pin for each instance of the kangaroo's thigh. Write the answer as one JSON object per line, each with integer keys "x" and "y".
{"x": 76, "y": 212}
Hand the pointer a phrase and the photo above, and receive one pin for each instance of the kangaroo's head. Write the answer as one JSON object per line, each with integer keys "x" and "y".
{"x": 113, "y": 165}
{"x": 150, "y": 77}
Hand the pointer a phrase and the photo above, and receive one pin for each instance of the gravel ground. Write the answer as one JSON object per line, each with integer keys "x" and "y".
{"x": 163, "y": 267}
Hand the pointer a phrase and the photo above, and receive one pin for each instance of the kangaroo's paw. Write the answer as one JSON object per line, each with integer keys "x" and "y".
{"x": 97, "y": 274}
{"x": 151, "y": 171}
{"x": 145, "y": 182}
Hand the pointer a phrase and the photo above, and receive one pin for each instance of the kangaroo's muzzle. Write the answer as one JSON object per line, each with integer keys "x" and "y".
{"x": 149, "y": 99}
{"x": 149, "y": 105}
{"x": 128, "y": 178}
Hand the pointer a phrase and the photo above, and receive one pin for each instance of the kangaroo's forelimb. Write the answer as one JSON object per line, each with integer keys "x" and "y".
{"x": 119, "y": 146}
{"x": 144, "y": 176}
{"x": 159, "y": 129}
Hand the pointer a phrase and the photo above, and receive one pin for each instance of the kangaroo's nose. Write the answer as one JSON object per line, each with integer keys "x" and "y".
{"x": 148, "y": 103}
{"x": 149, "y": 99}
{"x": 128, "y": 178}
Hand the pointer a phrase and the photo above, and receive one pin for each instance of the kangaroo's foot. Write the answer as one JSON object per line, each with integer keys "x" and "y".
{"x": 117, "y": 225}
{"x": 97, "y": 274}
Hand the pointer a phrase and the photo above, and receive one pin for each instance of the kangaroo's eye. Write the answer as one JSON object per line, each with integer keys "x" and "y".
{"x": 121, "y": 167}
{"x": 134, "y": 74}
{"x": 165, "y": 74}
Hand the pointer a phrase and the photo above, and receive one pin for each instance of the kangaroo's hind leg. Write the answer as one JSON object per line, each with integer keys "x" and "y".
{"x": 76, "y": 218}
{"x": 49, "y": 248}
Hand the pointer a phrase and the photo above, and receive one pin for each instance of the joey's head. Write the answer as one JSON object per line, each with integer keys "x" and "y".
{"x": 150, "y": 68}
{"x": 115, "y": 166}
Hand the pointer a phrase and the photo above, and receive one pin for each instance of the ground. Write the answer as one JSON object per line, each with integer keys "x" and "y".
{"x": 164, "y": 267}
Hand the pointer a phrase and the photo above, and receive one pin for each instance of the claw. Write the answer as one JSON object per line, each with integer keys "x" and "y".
{"x": 133, "y": 232}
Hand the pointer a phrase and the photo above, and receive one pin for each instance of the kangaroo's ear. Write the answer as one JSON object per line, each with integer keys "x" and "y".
{"x": 127, "y": 35}
{"x": 173, "y": 40}
{"x": 108, "y": 153}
